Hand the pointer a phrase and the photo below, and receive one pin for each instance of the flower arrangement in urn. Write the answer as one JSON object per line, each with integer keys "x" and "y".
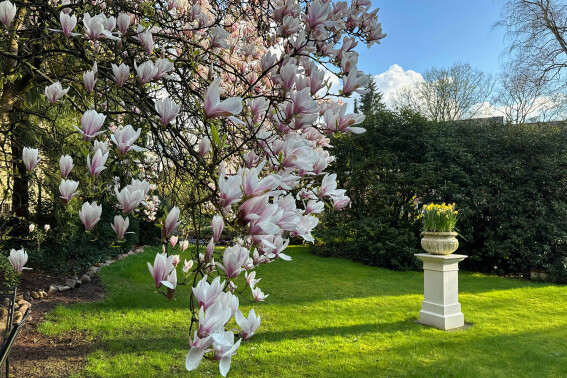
{"x": 439, "y": 237}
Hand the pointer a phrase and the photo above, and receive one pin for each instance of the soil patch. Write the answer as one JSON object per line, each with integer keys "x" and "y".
{"x": 39, "y": 355}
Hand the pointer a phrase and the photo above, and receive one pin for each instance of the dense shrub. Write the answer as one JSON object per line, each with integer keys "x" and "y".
{"x": 67, "y": 248}
{"x": 8, "y": 278}
{"x": 508, "y": 181}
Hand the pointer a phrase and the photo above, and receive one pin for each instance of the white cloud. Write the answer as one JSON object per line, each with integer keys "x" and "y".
{"x": 393, "y": 79}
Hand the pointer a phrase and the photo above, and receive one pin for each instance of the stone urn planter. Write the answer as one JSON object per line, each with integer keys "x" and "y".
{"x": 439, "y": 243}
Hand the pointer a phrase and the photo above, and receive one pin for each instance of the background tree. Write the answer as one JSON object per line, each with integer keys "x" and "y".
{"x": 521, "y": 99}
{"x": 537, "y": 42}
{"x": 371, "y": 101}
{"x": 447, "y": 94}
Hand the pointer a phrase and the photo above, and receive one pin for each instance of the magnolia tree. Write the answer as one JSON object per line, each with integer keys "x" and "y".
{"x": 231, "y": 101}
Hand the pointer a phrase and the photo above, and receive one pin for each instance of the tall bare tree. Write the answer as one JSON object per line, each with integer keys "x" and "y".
{"x": 536, "y": 31}
{"x": 448, "y": 94}
{"x": 522, "y": 99}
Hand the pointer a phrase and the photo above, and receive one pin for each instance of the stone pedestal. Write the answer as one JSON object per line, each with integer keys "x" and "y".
{"x": 441, "y": 308}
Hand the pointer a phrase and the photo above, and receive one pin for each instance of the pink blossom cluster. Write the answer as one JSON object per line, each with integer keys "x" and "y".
{"x": 236, "y": 110}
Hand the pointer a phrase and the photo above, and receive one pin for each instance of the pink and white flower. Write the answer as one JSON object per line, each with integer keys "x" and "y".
{"x": 67, "y": 189}
{"x": 171, "y": 221}
{"x": 161, "y": 269}
{"x": 97, "y": 164}
{"x": 258, "y": 295}
{"x": 7, "y": 12}
{"x": 129, "y": 199}
{"x": 248, "y": 326}
{"x": 65, "y": 165}
{"x": 217, "y": 225}
{"x": 91, "y": 122}
{"x": 18, "y": 258}
{"x": 120, "y": 226}
{"x": 90, "y": 214}
{"x": 54, "y": 92}
{"x": 208, "y": 293}
{"x": 167, "y": 110}
{"x": 124, "y": 139}
{"x": 31, "y": 158}
{"x": 121, "y": 73}
{"x": 215, "y": 108}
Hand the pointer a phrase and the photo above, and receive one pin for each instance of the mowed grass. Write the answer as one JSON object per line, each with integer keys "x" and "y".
{"x": 328, "y": 317}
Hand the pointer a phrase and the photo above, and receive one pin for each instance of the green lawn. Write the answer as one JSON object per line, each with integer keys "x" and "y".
{"x": 329, "y": 318}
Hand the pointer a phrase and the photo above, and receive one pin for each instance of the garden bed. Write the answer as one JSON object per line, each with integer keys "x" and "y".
{"x": 36, "y": 354}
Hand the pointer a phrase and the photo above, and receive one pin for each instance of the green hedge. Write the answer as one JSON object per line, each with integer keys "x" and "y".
{"x": 509, "y": 183}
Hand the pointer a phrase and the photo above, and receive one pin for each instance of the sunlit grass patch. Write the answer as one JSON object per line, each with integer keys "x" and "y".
{"x": 328, "y": 318}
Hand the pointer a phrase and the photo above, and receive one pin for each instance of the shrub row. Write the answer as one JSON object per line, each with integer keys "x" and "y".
{"x": 509, "y": 183}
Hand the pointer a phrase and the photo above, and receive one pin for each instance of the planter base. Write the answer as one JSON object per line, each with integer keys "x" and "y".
{"x": 442, "y": 322}
{"x": 441, "y": 308}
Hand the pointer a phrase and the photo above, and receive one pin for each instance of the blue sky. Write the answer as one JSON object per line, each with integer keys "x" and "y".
{"x": 435, "y": 33}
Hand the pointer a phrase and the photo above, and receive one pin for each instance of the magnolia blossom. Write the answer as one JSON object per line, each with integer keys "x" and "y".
{"x": 65, "y": 165}
{"x": 162, "y": 267}
{"x": 250, "y": 279}
{"x": 230, "y": 189}
{"x": 187, "y": 265}
{"x": 68, "y": 23}
{"x": 123, "y": 22}
{"x": 128, "y": 199}
{"x": 90, "y": 214}
{"x": 258, "y": 295}
{"x": 89, "y": 78}
{"x": 164, "y": 66}
{"x": 224, "y": 348}
{"x": 314, "y": 207}
{"x": 229, "y": 300}
{"x": 173, "y": 241}
{"x": 171, "y": 221}
{"x": 100, "y": 145}
{"x": 97, "y": 26}
{"x": 7, "y": 12}
{"x": 217, "y": 226}
{"x": 176, "y": 259}
{"x": 18, "y": 258}
{"x": 207, "y": 293}
{"x": 233, "y": 260}
{"x": 121, "y": 73}
{"x": 204, "y": 146}
{"x": 31, "y": 227}
{"x": 354, "y": 80}
{"x": 97, "y": 164}
{"x": 248, "y": 326}
{"x": 67, "y": 189}
{"x": 171, "y": 281}
{"x": 120, "y": 226}
{"x": 146, "y": 71}
{"x": 213, "y": 319}
{"x": 91, "y": 122}
{"x": 329, "y": 186}
{"x": 340, "y": 202}
{"x": 31, "y": 158}
{"x": 47, "y": 227}
{"x": 215, "y": 108}
{"x": 198, "y": 349}
{"x": 124, "y": 139}
{"x": 183, "y": 245}
{"x": 146, "y": 40}
{"x": 167, "y": 110}
{"x": 54, "y": 92}
{"x": 141, "y": 185}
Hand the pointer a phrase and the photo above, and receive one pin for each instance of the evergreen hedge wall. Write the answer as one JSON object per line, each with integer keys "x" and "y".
{"x": 509, "y": 183}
